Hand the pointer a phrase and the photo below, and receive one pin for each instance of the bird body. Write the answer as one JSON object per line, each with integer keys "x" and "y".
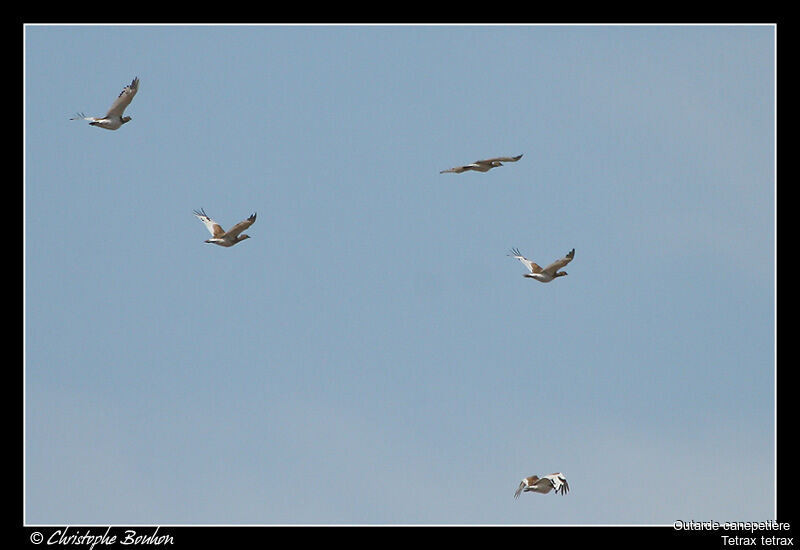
{"x": 543, "y": 485}
{"x": 482, "y": 165}
{"x": 113, "y": 119}
{"x": 221, "y": 237}
{"x": 548, "y": 273}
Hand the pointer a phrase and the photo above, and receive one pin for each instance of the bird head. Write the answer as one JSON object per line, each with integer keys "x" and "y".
{"x": 126, "y": 119}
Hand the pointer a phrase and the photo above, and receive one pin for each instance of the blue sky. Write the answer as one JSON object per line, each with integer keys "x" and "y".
{"x": 371, "y": 355}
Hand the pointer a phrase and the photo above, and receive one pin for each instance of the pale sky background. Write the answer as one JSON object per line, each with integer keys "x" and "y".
{"x": 371, "y": 355}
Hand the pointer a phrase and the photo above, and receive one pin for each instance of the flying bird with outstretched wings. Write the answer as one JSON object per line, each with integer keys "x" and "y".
{"x": 221, "y": 237}
{"x": 113, "y": 119}
{"x": 548, "y": 273}
{"x": 482, "y": 165}
{"x": 543, "y": 485}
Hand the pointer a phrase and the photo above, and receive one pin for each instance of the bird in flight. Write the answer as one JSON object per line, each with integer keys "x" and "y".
{"x": 482, "y": 165}
{"x": 221, "y": 237}
{"x": 543, "y": 485}
{"x": 548, "y": 273}
{"x": 113, "y": 118}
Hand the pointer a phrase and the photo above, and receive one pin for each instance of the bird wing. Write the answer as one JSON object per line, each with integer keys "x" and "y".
{"x": 241, "y": 226}
{"x": 559, "y": 482}
{"x": 124, "y": 99}
{"x": 82, "y": 116}
{"x": 457, "y": 169}
{"x": 499, "y": 159}
{"x": 213, "y": 227}
{"x": 532, "y": 266}
{"x": 558, "y": 264}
